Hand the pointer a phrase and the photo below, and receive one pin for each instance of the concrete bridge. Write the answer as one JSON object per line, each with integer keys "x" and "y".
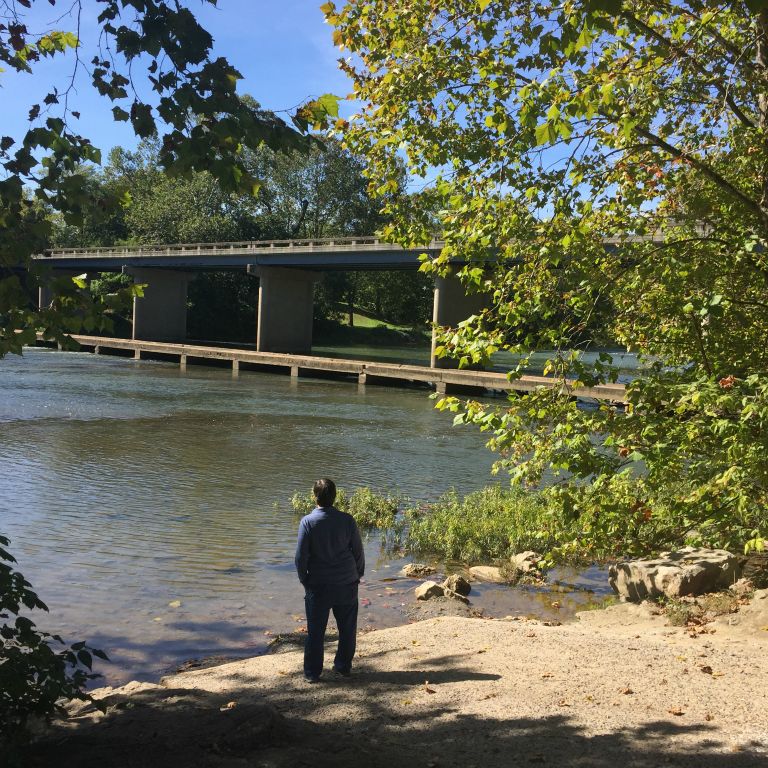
{"x": 286, "y": 269}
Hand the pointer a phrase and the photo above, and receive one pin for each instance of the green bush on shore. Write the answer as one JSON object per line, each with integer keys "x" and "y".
{"x": 491, "y": 524}
{"x": 370, "y": 509}
{"x": 496, "y": 522}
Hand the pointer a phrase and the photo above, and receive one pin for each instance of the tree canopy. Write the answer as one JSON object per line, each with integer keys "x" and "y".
{"x": 593, "y": 156}
{"x": 200, "y": 121}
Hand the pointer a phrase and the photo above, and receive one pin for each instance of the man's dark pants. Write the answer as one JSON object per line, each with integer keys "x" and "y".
{"x": 319, "y": 602}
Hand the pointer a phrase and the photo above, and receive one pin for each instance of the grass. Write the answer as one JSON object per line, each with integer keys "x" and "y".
{"x": 490, "y": 524}
{"x": 371, "y": 333}
{"x": 682, "y": 611}
{"x": 370, "y": 509}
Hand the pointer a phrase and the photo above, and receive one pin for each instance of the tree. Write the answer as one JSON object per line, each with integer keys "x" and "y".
{"x": 200, "y": 121}
{"x": 201, "y": 124}
{"x": 586, "y": 154}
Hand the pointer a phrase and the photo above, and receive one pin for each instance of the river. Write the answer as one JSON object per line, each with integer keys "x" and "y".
{"x": 149, "y": 506}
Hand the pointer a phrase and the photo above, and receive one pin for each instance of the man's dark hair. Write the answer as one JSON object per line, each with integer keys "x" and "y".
{"x": 325, "y": 492}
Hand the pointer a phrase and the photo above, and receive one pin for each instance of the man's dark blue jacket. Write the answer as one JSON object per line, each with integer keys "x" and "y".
{"x": 329, "y": 549}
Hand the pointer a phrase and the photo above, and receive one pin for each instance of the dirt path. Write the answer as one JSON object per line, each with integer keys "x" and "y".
{"x": 617, "y": 689}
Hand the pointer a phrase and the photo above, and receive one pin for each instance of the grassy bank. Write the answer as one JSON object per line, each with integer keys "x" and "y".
{"x": 372, "y": 333}
{"x": 494, "y": 523}
{"x": 491, "y": 524}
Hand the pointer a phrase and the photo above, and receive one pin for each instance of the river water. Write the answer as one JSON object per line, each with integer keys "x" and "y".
{"x": 149, "y": 507}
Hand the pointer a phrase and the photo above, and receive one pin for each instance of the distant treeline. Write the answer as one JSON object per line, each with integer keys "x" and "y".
{"x": 320, "y": 194}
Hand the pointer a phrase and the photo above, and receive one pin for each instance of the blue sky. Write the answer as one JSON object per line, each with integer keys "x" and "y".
{"x": 282, "y": 48}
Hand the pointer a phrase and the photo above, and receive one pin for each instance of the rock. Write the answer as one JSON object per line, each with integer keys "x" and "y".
{"x": 417, "y": 570}
{"x": 456, "y": 583}
{"x": 455, "y": 596}
{"x": 756, "y": 569}
{"x": 688, "y": 571}
{"x": 488, "y": 573}
{"x": 429, "y": 589}
{"x": 526, "y": 561}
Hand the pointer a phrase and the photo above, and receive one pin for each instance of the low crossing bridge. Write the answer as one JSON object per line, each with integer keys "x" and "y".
{"x": 286, "y": 269}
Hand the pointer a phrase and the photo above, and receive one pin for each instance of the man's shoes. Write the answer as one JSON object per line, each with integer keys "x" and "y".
{"x": 342, "y": 672}
{"x": 312, "y": 678}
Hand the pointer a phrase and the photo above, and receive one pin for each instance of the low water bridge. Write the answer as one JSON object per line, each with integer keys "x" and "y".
{"x": 362, "y": 371}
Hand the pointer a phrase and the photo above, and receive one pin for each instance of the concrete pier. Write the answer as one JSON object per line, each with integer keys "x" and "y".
{"x": 452, "y": 305}
{"x": 284, "y": 315}
{"x": 161, "y": 314}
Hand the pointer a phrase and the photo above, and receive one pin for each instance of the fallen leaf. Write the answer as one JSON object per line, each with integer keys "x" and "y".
{"x": 530, "y": 634}
{"x": 174, "y": 604}
{"x": 365, "y": 602}
{"x": 708, "y": 717}
{"x": 563, "y": 703}
{"x": 676, "y": 711}
{"x": 706, "y": 669}
{"x": 626, "y": 691}
{"x": 158, "y": 618}
{"x": 406, "y": 702}
{"x": 228, "y": 705}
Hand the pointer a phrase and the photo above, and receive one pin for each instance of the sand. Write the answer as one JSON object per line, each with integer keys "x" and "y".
{"x": 616, "y": 689}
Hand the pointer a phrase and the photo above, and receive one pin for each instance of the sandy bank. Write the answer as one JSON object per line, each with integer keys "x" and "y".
{"x": 617, "y": 688}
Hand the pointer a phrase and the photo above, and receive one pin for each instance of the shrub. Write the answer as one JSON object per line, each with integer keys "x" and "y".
{"x": 35, "y": 677}
{"x": 369, "y": 508}
{"x": 493, "y": 523}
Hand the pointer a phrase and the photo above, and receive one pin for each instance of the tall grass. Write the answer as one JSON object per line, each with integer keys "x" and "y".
{"x": 370, "y": 509}
{"x": 491, "y": 524}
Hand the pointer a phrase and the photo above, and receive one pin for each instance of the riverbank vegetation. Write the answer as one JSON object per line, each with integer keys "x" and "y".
{"x": 369, "y": 508}
{"x": 494, "y": 523}
{"x": 613, "y": 157}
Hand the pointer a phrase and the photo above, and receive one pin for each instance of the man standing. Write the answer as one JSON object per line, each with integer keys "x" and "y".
{"x": 330, "y": 563}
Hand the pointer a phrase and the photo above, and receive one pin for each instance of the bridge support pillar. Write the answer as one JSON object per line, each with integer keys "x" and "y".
{"x": 161, "y": 313}
{"x": 452, "y": 305}
{"x": 284, "y": 316}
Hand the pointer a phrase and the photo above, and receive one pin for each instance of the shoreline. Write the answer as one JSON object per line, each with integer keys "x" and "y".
{"x": 618, "y": 685}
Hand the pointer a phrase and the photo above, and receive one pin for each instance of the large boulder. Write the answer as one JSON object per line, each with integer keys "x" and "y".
{"x": 458, "y": 584}
{"x": 687, "y": 571}
{"x": 428, "y": 590}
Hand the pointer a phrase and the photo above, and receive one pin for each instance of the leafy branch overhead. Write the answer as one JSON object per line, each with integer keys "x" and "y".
{"x": 192, "y": 106}
{"x": 602, "y": 168}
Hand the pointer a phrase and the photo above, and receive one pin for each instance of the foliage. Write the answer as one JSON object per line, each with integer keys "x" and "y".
{"x": 200, "y": 121}
{"x": 47, "y": 182}
{"x": 369, "y": 508}
{"x": 34, "y": 675}
{"x": 592, "y": 157}
{"x": 490, "y": 524}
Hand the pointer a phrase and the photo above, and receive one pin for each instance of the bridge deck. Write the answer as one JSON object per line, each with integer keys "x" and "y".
{"x": 441, "y": 378}
{"x": 334, "y": 253}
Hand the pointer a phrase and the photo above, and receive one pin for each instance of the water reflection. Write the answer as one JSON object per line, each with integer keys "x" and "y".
{"x": 148, "y": 505}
